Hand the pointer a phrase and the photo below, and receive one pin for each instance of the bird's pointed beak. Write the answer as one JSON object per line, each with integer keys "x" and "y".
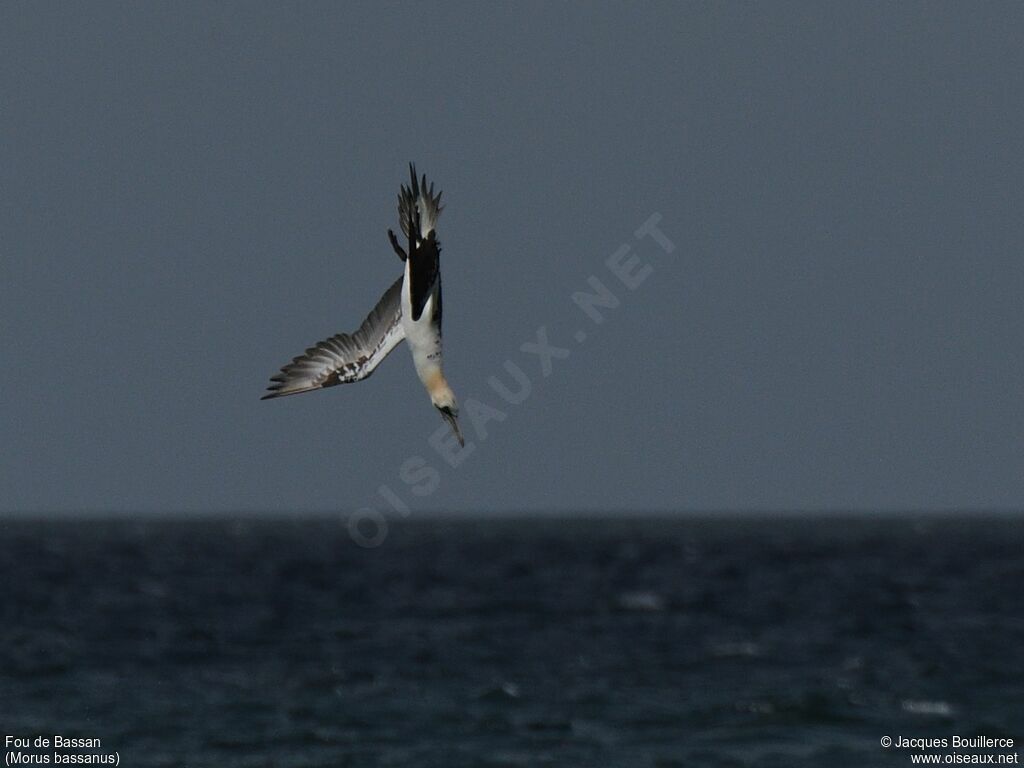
{"x": 453, "y": 422}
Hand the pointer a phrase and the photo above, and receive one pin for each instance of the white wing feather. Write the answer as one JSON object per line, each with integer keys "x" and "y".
{"x": 345, "y": 358}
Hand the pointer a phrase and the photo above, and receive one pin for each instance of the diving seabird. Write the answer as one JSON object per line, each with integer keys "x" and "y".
{"x": 410, "y": 309}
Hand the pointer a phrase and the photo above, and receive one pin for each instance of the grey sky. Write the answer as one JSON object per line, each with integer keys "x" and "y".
{"x": 194, "y": 193}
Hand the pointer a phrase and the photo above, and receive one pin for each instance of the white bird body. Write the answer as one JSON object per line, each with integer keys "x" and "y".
{"x": 410, "y": 309}
{"x": 423, "y": 335}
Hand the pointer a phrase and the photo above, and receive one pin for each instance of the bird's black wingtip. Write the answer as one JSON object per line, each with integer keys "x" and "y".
{"x": 274, "y": 390}
{"x": 415, "y": 186}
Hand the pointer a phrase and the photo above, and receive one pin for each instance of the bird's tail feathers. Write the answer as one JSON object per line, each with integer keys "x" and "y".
{"x": 418, "y": 206}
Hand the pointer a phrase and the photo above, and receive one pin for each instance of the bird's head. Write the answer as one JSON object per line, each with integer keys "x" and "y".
{"x": 444, "y": 400}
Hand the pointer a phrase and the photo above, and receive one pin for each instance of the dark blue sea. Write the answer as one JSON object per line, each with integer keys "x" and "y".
{"x": 720, "y": 641}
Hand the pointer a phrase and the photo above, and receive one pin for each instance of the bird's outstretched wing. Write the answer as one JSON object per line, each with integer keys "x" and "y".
{"x": 345, "y": 357}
